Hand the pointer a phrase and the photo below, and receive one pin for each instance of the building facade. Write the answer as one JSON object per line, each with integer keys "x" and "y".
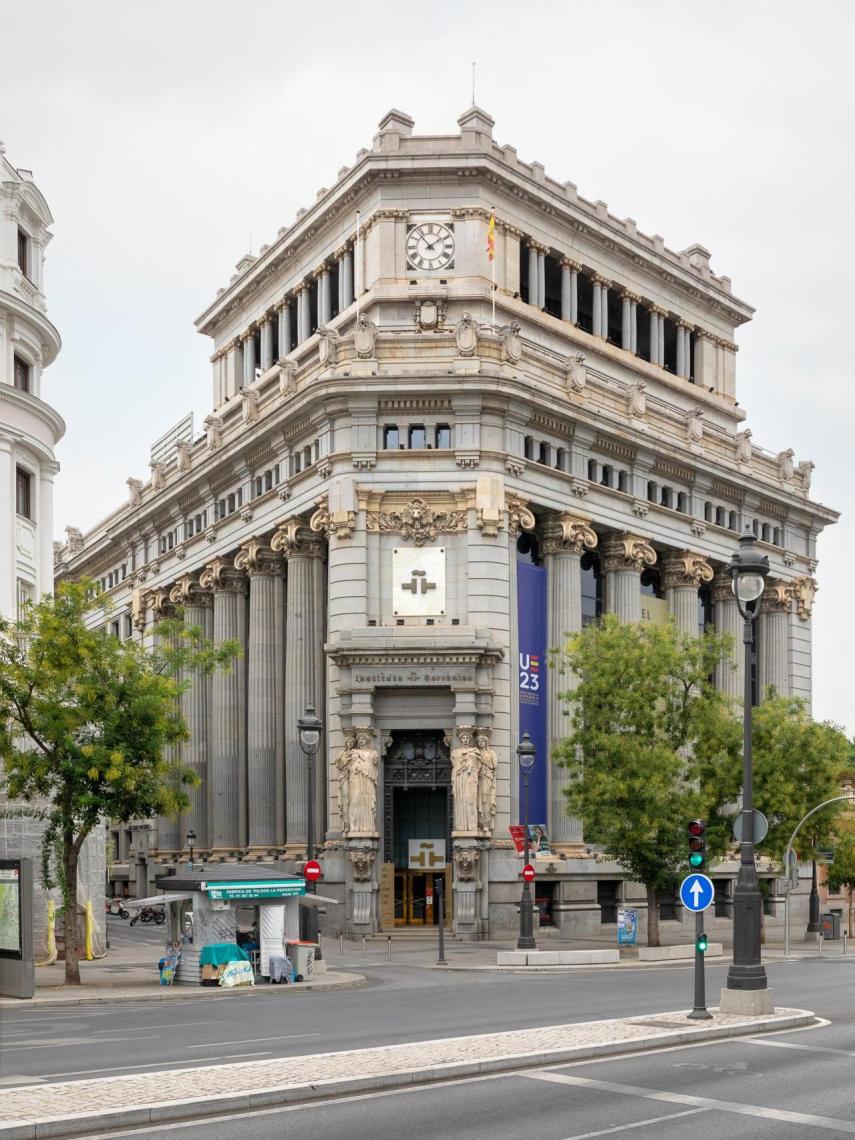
{"x": 424, "y": 467}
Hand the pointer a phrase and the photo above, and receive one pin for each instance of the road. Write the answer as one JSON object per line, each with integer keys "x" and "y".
{"x": 401, "y": 1002}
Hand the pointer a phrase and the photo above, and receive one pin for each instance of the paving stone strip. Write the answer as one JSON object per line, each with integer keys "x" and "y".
{"x": 70, "y": 1108}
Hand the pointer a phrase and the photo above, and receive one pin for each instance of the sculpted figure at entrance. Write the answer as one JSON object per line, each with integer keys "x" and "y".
{"x": 364, "y": 769}
{"x": 487, "y": 764}
{"x": 464, "y": 780}
{"x": 342, "y": 763}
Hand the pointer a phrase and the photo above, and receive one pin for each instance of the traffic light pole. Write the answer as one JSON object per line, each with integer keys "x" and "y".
{"x": 700, "y": 1012}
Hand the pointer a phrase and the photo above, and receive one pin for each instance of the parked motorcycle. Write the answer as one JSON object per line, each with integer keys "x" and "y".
{"x": 115, "y": 907}
{"x": 148, "y": 914}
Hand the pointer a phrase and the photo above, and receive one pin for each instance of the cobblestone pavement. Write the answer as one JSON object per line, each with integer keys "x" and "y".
{"x": 75, "y": 1107}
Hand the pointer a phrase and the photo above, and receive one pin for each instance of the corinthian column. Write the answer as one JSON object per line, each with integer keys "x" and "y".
{"x": 248, "y": 339}
{"x": 304, "y": 621}
{"x": 197, "y": 605}
{"x": 773, "y": 657}
{"x": 227, "y": 758}
{"x": 168, "y": 830}
{"x": 264, "y": 691}
{"x": 566, "y": 539}
{"x": 683, "y": 575}
{"x": 624, "y": 557}
{"x": 728, "y": 680}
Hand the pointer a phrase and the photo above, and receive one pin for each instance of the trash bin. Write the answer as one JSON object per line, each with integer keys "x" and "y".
{"x": 302, "y": 955}
{"x": 830, "y": 925}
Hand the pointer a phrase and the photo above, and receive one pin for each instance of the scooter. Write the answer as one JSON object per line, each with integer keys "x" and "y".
{"x": 114, "y": 906}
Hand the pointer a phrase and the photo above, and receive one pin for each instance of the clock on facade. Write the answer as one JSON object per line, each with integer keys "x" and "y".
{"x": 430, "y": 245}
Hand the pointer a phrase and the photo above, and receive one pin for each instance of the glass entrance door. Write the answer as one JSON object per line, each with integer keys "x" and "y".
{"x": 416, "y": 898}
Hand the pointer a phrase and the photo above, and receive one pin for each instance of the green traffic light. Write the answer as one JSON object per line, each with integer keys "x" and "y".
{"x": 696, "y": 859}
{"x": 702, "y": 943}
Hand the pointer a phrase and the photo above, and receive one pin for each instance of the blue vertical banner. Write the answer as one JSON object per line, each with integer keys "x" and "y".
{"x": 531, "y": 678}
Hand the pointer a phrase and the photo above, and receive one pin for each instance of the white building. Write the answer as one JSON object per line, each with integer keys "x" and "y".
{"x": 403, "y": 499}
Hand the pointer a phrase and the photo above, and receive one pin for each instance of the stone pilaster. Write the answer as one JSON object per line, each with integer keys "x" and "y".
{"x": 264, "y": 714}
{"x": 248, "y": 340}
{"x": 197, "y": 604}
{"x": 168, "y": 829}
{"x": 304, "y": 667}
{"x": 683, "y": 575}
{"x": 227, "y": 755}
{"x": 728, "y": 680}
{"x": 624, "y": 557}
{"x": 773, "y": 650}
{"x": 566, "y": 539}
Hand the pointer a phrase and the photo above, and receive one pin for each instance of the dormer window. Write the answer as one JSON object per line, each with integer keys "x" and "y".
{"x": 23, "y": 252}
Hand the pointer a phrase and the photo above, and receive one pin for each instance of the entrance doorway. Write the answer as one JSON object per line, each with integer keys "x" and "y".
{"x": 417, "y": 827}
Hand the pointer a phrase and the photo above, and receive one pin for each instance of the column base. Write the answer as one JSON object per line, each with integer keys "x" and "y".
{"x": 749, "y": 1003}
{"x": 813, "y": 935}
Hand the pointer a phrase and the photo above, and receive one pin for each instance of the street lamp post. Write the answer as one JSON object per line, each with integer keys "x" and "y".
{"x": 309, "y": 728}
{"x": 814, "y": 925}
{"x": 526, "y": 756}
{"x": 748, "y": 569}
{"x": 191, "y": 841}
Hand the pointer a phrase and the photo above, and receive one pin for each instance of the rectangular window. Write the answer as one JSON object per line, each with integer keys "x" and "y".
{"x": 443, "y": 435}
{"x": 24, "y": 597}
{"x": 129, "y": 626}
{"x": 23, "y": 493}
{"x": 23, "y": 252}
{"x": 22, "y": 375}
{"x": 114, "y": 629}
{"x": 418, "y": 437}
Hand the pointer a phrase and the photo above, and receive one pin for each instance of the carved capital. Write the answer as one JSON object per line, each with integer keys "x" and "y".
{"x": 256, "y": 557}
{"x": 519, "y": 515}
{"x": 188, "y": 592}
{"x": 685, "y": 569}
{"x": 722, "y": 588}
{"x": 221, "y": 576}
{"x": 777, "y": 597}
{"x": 338, "y": 523}
{"x": 569, "y": 263}
{"x": 627, "y": 552}
{"x": 803, "y": 591}
{"x": 158, "y": 602}
{"x": 570, "y": 533}
{"x": 294, "y": 539}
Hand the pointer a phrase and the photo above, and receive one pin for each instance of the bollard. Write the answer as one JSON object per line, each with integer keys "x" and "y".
{"x": 821, "y": 940}
{"x": 364, "y": 954}
{"x": 440, "y": 885}
{"x": 341, "y": 945}
{"x": 389, "y": 945}
{"x": 845, "y": 936}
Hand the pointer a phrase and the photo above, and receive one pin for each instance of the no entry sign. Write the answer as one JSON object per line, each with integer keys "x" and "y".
{"x": 312, "y": 870}
{"x": 528, "y": 873}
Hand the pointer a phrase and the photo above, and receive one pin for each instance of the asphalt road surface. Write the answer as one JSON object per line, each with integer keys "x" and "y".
{"x": 782, "y": 1086}
{"x": 400, "y": 1003}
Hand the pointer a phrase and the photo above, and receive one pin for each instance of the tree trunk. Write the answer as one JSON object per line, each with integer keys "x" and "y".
{"x": 652, "y": 918}
{"x": 72, "y": 956}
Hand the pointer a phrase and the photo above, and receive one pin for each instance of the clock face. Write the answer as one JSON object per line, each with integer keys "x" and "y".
{"x": 430, "y": 245}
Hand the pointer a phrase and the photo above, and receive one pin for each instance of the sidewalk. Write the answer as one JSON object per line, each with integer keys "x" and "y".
{"x": 79, "y": 1107}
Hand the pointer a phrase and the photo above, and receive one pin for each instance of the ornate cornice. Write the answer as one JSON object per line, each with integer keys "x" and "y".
{"x": 569, "y": 533}
{"x": 257, "y": 558}
{"x": 623, "y": 552}
{"x": 685, "y": 569}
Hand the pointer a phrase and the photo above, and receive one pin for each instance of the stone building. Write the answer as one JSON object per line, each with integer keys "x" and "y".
{"x": 30, "y": 429}
{"x": 422, "y": 468}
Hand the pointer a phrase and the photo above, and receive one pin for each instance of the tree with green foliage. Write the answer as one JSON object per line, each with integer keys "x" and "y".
{"x": 651, "y": 744}
{"x": 86, "y": 721}
{"x": 841, "y": 873}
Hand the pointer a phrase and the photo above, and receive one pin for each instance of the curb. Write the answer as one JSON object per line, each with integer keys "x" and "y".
{"x": 226, "y": 1103}
{"x": 182, "y": 993}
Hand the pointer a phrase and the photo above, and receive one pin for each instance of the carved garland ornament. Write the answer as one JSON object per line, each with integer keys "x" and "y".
{"x": 417, "y": 522}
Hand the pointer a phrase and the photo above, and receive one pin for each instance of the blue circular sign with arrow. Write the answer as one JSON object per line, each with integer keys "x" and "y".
{"x": 697, "y": 892}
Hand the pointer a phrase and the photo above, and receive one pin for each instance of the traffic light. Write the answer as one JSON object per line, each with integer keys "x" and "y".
{"x": 697, "y": 830}
{"x": 702, "y": 943}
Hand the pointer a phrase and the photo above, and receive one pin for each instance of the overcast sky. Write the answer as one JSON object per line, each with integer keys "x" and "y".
{"x": 163, "y": 135}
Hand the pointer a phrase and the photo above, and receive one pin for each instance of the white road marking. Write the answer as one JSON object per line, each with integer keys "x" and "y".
{"x": 253, "y": 1040}
{"x": 809, "y": 1048}
{"x": 828, "y": 1122}
{"x": 637, "y": 1124}
{"x": 82, "y": 1041}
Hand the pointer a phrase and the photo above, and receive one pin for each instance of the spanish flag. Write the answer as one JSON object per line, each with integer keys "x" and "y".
{"x": 491, "y": 238}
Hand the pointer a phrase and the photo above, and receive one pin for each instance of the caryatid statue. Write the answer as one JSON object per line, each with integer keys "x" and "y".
{"x": 464, "y": 781}
{"x": 487, "y": 764}
{"x": 364, "y": 768}
{"x": 342, "y": 763}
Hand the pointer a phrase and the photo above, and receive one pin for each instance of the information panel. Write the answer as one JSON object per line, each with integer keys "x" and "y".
{"x": 11, "y": 945}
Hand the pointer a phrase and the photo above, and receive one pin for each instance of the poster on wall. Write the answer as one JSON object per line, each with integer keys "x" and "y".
{"x": 531, "y": 610}
{"x": 627, "y": 926}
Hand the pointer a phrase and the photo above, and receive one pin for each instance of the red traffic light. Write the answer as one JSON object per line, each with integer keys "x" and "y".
{"x": 697, "y": 827}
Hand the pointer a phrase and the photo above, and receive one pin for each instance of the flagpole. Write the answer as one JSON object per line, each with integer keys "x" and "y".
{"x": 356, "y": 262}
{"x": 493, "y": 288}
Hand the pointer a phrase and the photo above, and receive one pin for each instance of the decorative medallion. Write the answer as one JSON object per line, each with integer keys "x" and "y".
{"x": 417, "y": 522}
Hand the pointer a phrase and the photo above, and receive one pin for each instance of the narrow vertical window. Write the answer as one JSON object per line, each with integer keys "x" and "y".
{"x": 22, "y": 375}
{"x": 23, "y": 252}
{"x": 23, "y": 493}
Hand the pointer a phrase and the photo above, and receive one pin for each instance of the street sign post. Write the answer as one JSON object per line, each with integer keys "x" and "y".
{"x": 696, "y": 894}
{"x": 528, "y": 873}
{"x": 312, "y": 870}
